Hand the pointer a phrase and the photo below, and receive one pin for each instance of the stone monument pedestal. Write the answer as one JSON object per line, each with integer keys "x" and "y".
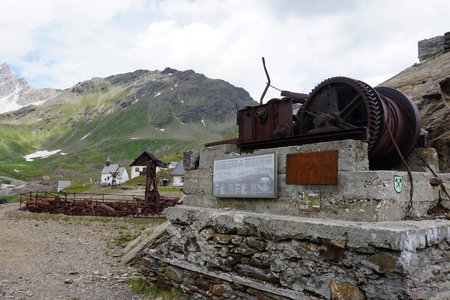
{"x": 355, "y": 246}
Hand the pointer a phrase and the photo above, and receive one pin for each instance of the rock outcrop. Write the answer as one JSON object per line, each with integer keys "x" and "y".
{"x": 434, "y": 46}
{"x": 428, "y": 84}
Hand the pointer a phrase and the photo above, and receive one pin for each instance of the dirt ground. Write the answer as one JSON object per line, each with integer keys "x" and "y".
{"x": 60, "y": 257}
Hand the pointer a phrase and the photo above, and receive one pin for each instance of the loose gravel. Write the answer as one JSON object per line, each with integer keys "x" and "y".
{"x": 60, "y": 257}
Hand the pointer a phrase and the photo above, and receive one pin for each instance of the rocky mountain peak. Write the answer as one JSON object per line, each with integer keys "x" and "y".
{"x": 5, "y": 71}
{"x": 15, "y": 93}
{"x": 169, "y": 70}
{"x": 11, "y": 89}
{"x": 7, "y": 77}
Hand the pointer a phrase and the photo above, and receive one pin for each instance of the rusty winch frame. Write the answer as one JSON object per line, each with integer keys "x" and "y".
{"x": 336, "y": 109}
{"x": 112, "y": 205}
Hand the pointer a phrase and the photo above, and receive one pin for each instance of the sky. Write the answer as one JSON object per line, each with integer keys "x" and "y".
{"x": 57, "y": 43}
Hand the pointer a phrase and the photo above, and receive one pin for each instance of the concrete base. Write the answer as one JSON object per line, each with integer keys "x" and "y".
{"x": 360, "y": 195}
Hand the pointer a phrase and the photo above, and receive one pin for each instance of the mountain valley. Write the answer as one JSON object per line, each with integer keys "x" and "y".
{"x": 164, "y": 112}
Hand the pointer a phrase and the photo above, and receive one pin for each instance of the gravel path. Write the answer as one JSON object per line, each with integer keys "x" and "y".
{"x": 61, "y": 257}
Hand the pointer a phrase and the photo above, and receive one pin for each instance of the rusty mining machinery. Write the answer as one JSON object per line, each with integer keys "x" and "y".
{"x": 336, "y": 109}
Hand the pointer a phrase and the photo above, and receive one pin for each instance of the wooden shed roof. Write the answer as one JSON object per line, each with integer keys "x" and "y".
{"x": 145, "y": 158}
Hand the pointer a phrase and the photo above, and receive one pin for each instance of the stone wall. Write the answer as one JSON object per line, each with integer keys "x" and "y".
{"x": 216, "y": 254}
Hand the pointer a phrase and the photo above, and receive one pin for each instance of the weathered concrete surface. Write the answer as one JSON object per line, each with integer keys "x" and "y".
{"x": 352, "y": 154}
{"x": 359, "y": 195}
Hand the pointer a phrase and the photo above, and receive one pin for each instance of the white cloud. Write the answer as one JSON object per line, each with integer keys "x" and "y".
{"x": 58, "y": 43}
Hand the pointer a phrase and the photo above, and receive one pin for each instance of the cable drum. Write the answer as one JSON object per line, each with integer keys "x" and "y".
{"x": 343, "y": 103}
{"x": 402, "y": 119}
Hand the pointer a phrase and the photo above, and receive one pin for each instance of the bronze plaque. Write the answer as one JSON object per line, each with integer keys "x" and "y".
{"x": 312, "y": 168}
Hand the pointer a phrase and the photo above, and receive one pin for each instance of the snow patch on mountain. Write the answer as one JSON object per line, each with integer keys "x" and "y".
{"x": 9, "y": 103}
{"x": 85, "y": 136}
{"x": 40, "y": 154}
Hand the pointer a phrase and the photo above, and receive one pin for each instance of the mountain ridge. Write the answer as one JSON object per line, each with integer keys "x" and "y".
{"x": 121, "y": 115}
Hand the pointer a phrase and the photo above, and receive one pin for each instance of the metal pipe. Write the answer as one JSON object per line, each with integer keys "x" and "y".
{"x": 268, "y": 82}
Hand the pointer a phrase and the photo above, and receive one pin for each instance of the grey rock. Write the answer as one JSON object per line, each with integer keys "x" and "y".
{"x": 430, "y": 47}
{"x": 191, "y": 159}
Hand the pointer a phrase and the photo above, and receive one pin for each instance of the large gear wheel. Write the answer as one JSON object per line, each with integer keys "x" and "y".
{"x": 343, "y": 103}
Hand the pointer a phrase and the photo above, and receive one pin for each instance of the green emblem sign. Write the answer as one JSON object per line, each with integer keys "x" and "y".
{"x": 398, "y": 183}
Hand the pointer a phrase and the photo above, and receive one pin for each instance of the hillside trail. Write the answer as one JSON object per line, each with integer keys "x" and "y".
{"x": 47, "y": 259}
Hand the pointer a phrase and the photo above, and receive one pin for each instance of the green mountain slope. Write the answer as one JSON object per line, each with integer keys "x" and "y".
{"x": 164, "y": 112}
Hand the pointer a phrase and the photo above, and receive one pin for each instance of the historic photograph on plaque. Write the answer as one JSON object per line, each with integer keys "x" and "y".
{"x": 245, "y": 177}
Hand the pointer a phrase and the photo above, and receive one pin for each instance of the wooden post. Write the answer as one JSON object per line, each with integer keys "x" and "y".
{"x": 151, "y": 190}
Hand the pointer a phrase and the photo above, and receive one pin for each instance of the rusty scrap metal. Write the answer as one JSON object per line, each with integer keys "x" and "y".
{"x": 268, "y": 82}
{"x": 272, "y": 120}
{"x": 296, "y": 97}
{"x": 81, "y": 207}
{"x": 92, "y": 204}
